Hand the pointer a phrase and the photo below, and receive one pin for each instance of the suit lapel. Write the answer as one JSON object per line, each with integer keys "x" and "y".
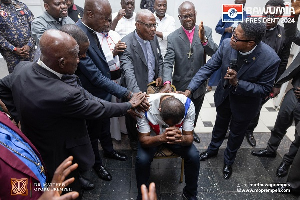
{"x": 183, "y": 36}
{"x": 138, "y": 50}
{"x": 154, "y": 50}
{"x": 250, "y": 61}
{"x": 93, "y": 42}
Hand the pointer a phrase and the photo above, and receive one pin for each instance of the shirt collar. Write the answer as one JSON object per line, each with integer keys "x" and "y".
{"x": 161, "y": 18}
{"x": 49, "y": 69}
{"x": 248, "y": 52}
{"x": 74, "y": 7}
{"x": 139, "y": 38}
{"x": 188, "y": 31}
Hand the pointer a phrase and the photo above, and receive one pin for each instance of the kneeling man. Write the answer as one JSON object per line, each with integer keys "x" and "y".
{"x": 169, "y": 122}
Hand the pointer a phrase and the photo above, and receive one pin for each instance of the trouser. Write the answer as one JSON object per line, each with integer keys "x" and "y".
{"x": 198, "y": 104}
{"x": 289, "y": 111}
{"x": 191, "y": 165}
{"x": 293, "y": 178}
{"x": 252, "y": 125}
{"x": 131, "y": 128}
{"x": 100, "y": 130}
{"x": 237, "y": 127}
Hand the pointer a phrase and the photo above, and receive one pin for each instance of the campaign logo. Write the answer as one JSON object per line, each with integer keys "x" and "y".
{"x": 232, "y": 13}
{"x": 19, "y": 186}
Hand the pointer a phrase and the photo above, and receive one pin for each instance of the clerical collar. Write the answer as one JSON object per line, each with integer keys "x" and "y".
{"x": 248, "y": 52}
{"x": 139, "y": 38}
{"x": 271, "y": 29}
{"x": 49, "y": 69}
{"x": 188, "y": 31}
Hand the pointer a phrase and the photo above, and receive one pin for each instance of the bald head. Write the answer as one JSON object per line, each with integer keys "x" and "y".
{"x": 143, "y": 13}
{"x": 187, "y": 5}
{"x": 97, "y": 14}
{"x": 59, "y": 51}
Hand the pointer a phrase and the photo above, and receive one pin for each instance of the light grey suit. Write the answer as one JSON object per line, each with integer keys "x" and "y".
{"x": 134, "y": 66}
{"x": 185, "y": 68}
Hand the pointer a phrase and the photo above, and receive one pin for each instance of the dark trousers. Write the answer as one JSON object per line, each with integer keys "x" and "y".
{"x": 99, "y": 129}
{"x": 198, "y": 104}
{"x": 191, "y": 165}
{"x": 236, "y": 135}
{"x": 293, "y": 178}
{"x": 252, "y": 125}
{"x": 131, "y": 128}
{"x": 289, "y": 111}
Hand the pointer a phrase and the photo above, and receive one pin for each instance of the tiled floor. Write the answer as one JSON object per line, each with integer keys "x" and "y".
{"x": 247, "y": 170}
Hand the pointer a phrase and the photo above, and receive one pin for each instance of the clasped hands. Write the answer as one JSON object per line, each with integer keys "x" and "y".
{"x": 172, "y": 135}
{"x": 23, "y": 51}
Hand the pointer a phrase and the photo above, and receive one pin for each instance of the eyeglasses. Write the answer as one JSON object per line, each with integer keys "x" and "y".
{"x": 185, "y": 17}
{"x": 235, "y": 38}
{"x": 148, "y": 25}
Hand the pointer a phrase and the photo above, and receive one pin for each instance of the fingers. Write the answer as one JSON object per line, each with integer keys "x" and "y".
{"x": 144, "y": 192}
{"x": 152, "y": 192}
{"x": 69, "y": 196}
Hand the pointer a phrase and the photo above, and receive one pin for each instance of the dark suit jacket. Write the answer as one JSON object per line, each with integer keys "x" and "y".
{"x": 134, "y": 66}
{"x": 53, "y": 113}
{"x": 185, "y": 68}
{"x": 256, "y": 78}
{"x": 94, "y": 72}
{"x": 12, "y": 167}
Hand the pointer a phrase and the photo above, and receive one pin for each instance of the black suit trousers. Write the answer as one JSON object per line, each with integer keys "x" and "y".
{"x": 237, "y": 126}
{"x": 289, "y": 112}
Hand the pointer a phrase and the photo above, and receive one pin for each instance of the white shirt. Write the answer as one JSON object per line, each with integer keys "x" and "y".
{"x": 153, "y": 115}
{"x": 108, "y": 43}
{"x": 59, "y": 75}
{"x": 125, "y": 26}
{"x": 166, "y": 25}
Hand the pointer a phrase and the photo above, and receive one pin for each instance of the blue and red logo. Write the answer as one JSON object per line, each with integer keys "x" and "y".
{"x": 232, "y": 13}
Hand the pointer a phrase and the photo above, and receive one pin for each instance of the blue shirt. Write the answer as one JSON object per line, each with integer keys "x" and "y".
{"x": 14, "y": 141}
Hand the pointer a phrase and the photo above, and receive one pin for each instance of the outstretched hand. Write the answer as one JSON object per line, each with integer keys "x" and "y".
{"x": 59, "y": 182}
{"x": 201, "y": 32}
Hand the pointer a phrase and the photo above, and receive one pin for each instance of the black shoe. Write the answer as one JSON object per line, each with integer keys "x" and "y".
{"x": 264, "y": 153}
{"x": 85, "y": 183}
{"x": 196, "y": 138}
{"x": 227, "y": 171}
{"x": 251, "y": 140}
{"x": 283, "y": 169}
{"x": 186, "y": 196}
{"x": 205, "y": 155}
{"x": 103, "y": 173}
{"x": 116, "y": 155}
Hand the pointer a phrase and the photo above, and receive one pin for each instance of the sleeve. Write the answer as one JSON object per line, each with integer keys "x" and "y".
{"x": 207, "y": 70}
{"x": 188, "y": 123}
{"x": 5, "y": 45}
{"x": 211, "y": 46}
{"x": 7, "y": 97}
{"x": 95, "y": 76}
{"x": 220, "y": 27}
{"x": 170, "y": 28}
{"x": 169, "y": 61}
{"x": 31, "y": 42}
{"x": 142, "y": 124}
{"x": 128, "y": 71}
{"x": 37, "y": 29}
{"x": 284, "y": 56}
{"x": 77, "y": 106}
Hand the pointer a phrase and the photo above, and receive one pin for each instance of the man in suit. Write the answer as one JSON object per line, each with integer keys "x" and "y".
{"x": 55, "y": 121}
{"x": 289, "y": 110}
{"x": 94, "y": 74}
{"x": 187, "y": 52}
{"x": 55, "y": 16}
{"x": 141, "y": 62}
{"x": 249, "y": 67}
